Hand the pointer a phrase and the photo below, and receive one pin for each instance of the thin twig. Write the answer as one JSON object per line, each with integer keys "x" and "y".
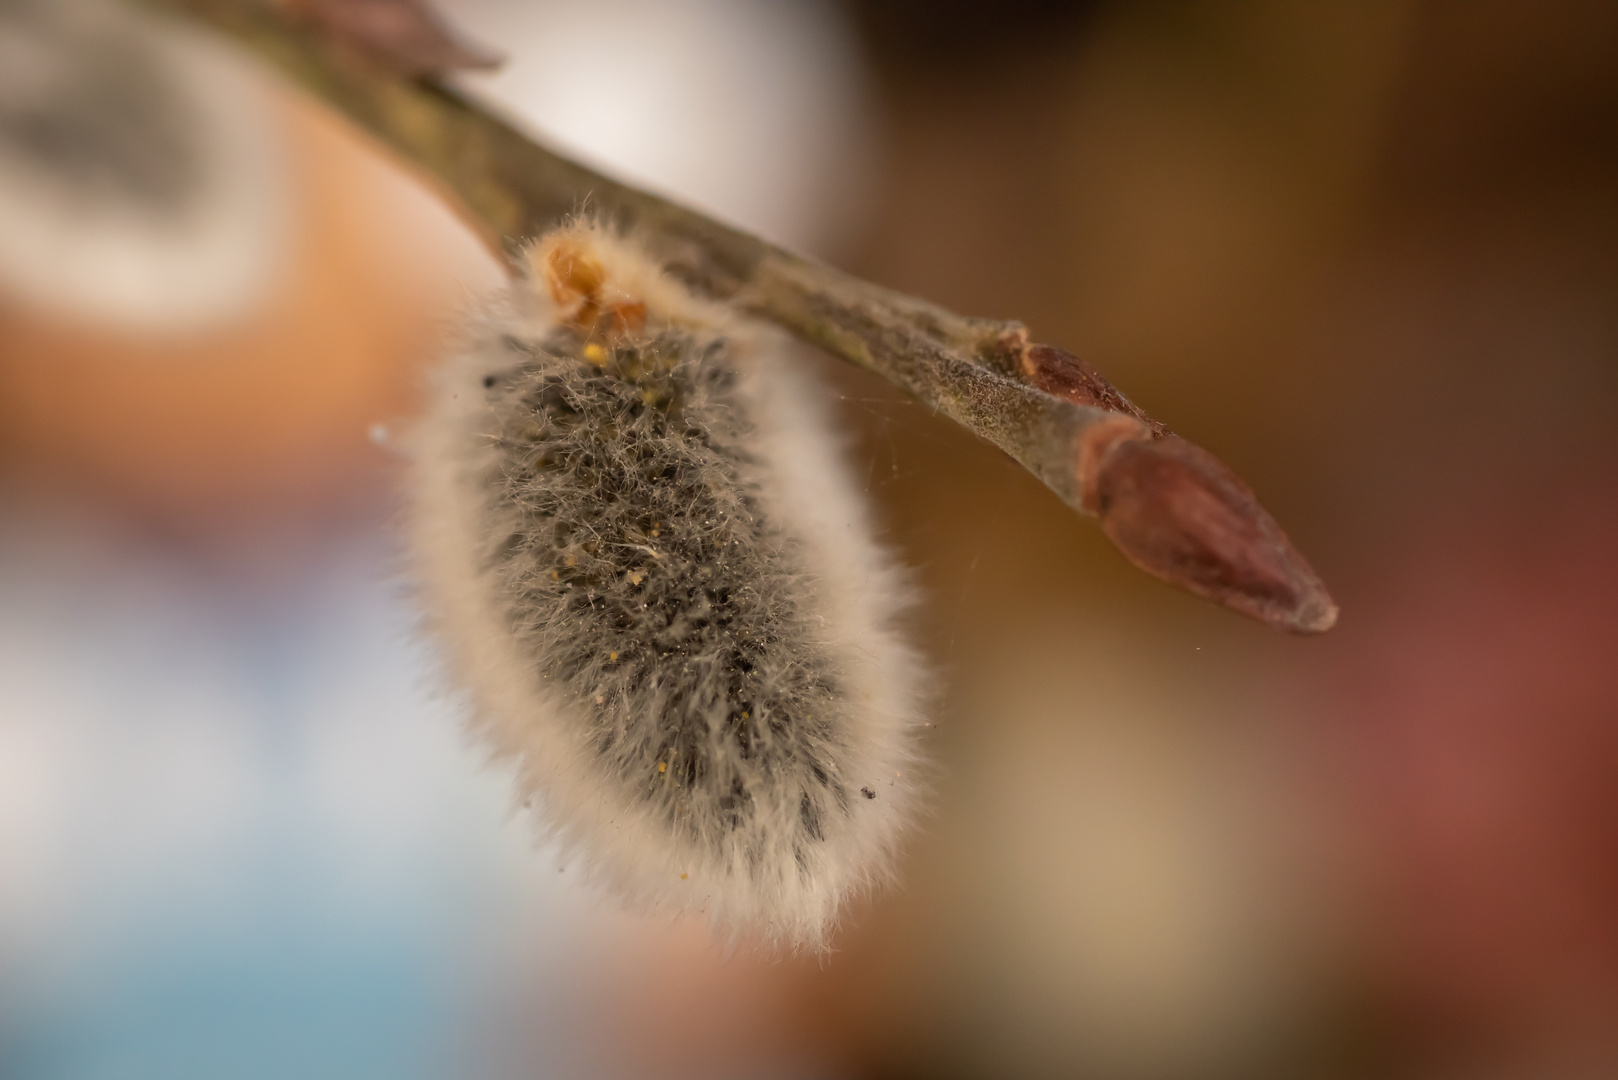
{"x": 1172, "y": 508}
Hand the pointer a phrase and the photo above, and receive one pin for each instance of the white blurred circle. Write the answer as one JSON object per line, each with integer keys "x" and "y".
{"x": 140, "y": 182}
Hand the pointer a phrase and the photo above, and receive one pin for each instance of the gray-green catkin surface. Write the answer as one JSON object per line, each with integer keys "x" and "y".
{"x": 669, "y": 606}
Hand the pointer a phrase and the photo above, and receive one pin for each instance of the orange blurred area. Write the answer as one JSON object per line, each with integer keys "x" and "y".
{"x": 1367, "y": 253}
{"x": 234, "y": 425}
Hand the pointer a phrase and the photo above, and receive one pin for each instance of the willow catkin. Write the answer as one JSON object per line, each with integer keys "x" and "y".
{"x": 637, "y": 538}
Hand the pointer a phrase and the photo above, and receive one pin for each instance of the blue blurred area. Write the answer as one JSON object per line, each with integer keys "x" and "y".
{"x": 239, "y": 834}
{"x": 299, "y": 1000}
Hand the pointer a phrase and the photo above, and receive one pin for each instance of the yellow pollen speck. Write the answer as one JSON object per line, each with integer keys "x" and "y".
{"x": 684, "y": 876}
{"x": 595, "y": 354}
{"x": 662, "y": 766}
{"x": 612, "y": 656}
{"x": 555, "y": 576}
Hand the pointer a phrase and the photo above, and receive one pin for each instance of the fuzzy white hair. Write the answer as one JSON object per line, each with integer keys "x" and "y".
{"x": 635, "y": 532}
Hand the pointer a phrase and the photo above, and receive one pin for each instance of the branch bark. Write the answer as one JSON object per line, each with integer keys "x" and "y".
{"x": 1172, "y": 508}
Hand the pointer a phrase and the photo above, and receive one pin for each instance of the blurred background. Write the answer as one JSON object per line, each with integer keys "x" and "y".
{"x": 1367, "y": 252}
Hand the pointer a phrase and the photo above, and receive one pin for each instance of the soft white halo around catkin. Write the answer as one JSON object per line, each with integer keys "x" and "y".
{"x": 801, "y": 843}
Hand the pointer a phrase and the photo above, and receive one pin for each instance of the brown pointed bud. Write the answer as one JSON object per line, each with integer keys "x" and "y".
{"x": 406, "y": 35}
{"x": 1174, "y": 509}
{"x": 1180, "y": 514}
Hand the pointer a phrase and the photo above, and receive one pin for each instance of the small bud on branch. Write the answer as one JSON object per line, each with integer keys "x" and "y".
{"x": 404, "y": 35}
{"x": 1172, "y": 508}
